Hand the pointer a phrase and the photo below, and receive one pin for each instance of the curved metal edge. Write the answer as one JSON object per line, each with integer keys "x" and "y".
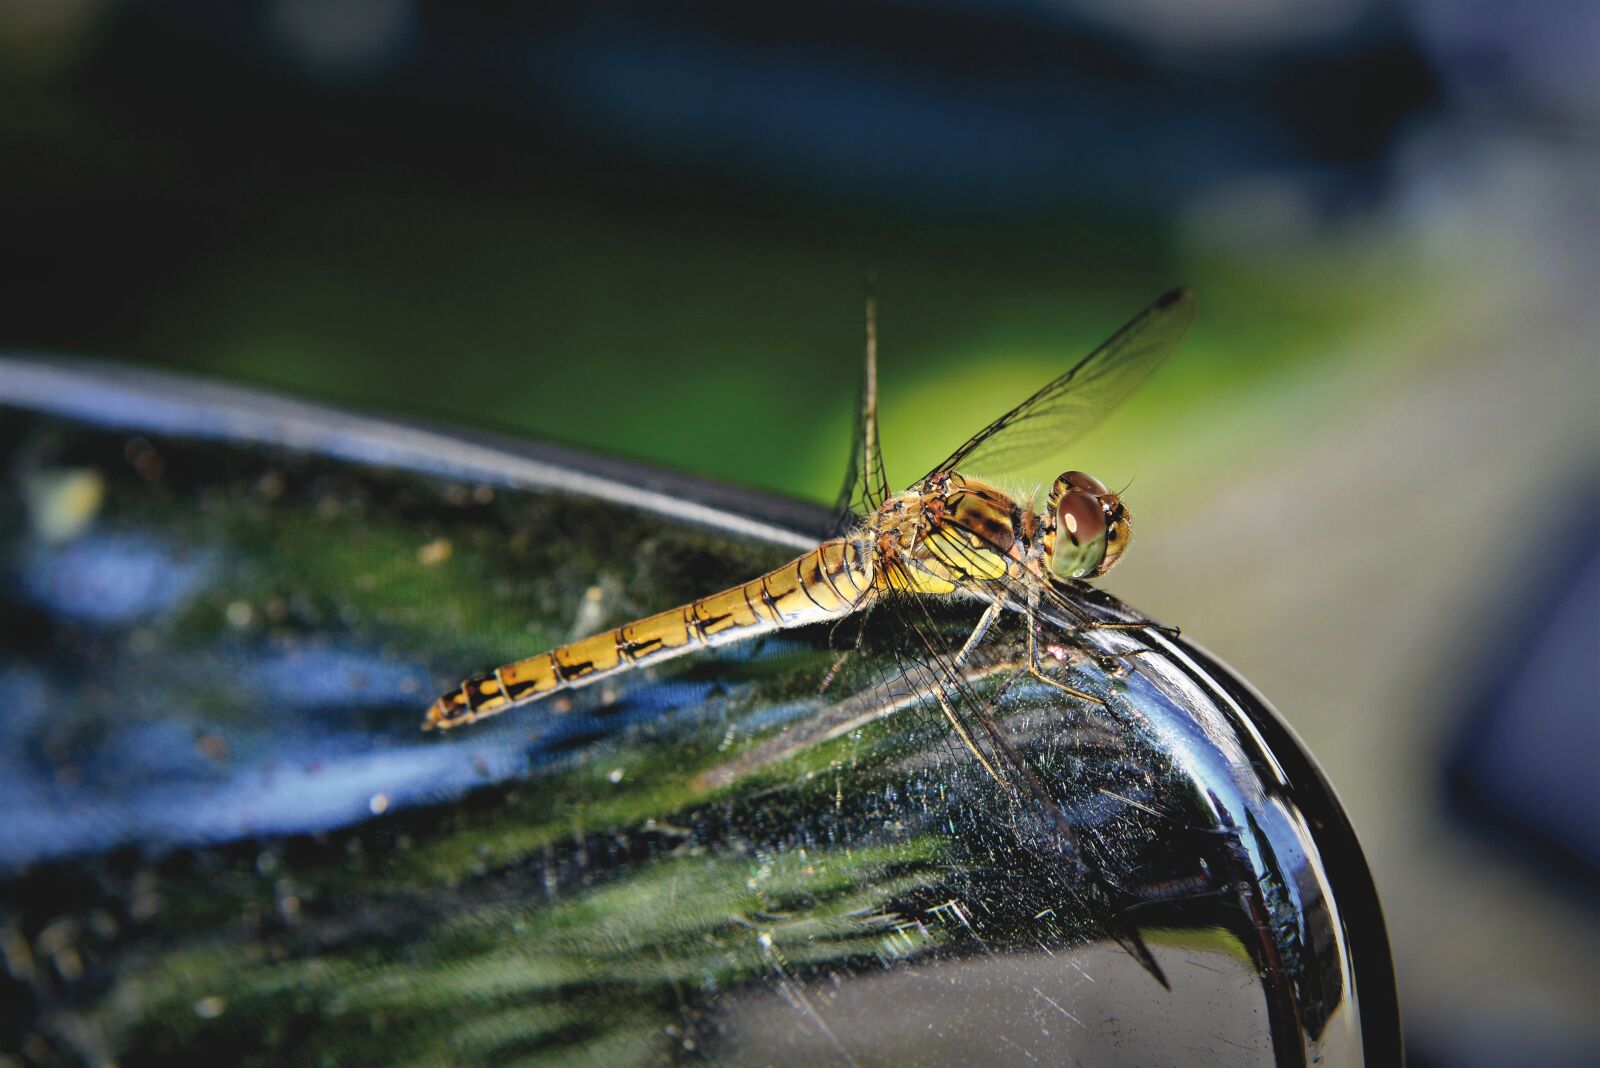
{"x": 112, "y": 395}
{"x": 1373, "y": 989}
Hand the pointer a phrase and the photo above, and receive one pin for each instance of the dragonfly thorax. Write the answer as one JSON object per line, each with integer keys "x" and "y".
{"x": 949, "y": 534}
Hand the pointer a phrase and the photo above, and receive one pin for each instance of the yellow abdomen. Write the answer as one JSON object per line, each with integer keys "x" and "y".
{"x": 825, "y": 583}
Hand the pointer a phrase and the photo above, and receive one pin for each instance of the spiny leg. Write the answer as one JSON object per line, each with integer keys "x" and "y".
{"x": 1091, "y": 623}
{"x": 985, "y": 621}
{"x": 966, "y": 738}
{"x": 1032, "y": 597}
{"x": 940, "y": 670}
{"x": 1088, "y": 622}
{"x": 1036, "y": 669}
{"x": 1013, "y": 763}
{"x": 861, "y": 611}
{"x": 1163, "y": 629}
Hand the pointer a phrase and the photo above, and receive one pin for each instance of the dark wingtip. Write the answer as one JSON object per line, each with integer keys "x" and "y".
{"x": 1136, "y": 947}
{"x": 1173, "y": 296}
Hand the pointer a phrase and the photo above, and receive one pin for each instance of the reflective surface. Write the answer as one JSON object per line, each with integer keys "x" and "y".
{"x": 225, "y": 835}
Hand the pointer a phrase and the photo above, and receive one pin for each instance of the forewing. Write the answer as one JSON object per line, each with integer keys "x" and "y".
{"x": 1072, "y": 404}
{"x": 866, "y": 485}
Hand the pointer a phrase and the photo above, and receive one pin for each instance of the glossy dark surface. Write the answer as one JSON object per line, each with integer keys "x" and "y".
{"x": 225, "y": 836}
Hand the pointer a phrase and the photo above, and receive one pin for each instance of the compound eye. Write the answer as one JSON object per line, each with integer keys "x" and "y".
{"x": 1082, "y": 520}
{"x": 1080, "y": 535}
{"x": 1084, "y": 483}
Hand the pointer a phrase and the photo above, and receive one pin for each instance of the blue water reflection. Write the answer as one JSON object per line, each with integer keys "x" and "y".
{"x": 186, "y": 779}
{"x": 112, "y": 579}
{"x": 290, "y": 747}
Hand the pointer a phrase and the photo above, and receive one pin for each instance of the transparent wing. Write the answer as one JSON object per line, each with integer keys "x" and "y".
{"x": 928, "y": 665}
{"x": 985, "y": 742}
{"x": 866, "y": 485}
{"x": 1072, "y": 404}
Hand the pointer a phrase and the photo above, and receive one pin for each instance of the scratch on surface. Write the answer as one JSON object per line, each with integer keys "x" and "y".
{"x": 794, "y": 992}
{"x": 1140, "y": 805}
{"x": 1054, "y": 1004}
{"x": 1018, "y": 1048}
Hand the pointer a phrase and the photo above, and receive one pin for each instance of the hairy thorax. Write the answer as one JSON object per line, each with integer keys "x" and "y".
{"x": 950, "y": 533}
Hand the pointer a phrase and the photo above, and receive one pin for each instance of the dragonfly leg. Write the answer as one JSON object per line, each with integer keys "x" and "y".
{"x": 966, "y": 737}
{"x": 1088, "y": 622}
{"x": 985, "y": 621}
{"x": 1036, "y": 669}
{"x": 1163, "y": 629}
{"x": 861, "y": 612}
{"x": 833, "y": 670}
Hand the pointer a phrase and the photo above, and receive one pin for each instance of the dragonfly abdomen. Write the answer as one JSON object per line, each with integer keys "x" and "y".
{"x": 825, "y": 583}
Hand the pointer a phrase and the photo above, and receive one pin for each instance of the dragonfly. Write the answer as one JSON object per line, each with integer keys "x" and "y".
{"x": 952, "y": 535}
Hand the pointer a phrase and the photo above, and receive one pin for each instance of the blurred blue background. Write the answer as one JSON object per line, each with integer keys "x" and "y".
{"x": 1367, "y": 480}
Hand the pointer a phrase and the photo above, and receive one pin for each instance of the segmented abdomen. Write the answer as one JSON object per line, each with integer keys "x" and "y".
{"x": 825, "y": 583}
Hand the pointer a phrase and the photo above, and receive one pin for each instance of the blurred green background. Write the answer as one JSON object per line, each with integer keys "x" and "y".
{"x": 1364, "y": 480}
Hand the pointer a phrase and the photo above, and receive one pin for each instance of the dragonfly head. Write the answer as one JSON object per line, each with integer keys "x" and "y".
{"x": 1092, "y": 526}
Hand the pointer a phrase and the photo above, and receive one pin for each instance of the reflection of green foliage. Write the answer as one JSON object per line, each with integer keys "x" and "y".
{"x": 1199, "y": 939}
{"x": 595, "y": 977}
{"x": 658, "y": 779}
